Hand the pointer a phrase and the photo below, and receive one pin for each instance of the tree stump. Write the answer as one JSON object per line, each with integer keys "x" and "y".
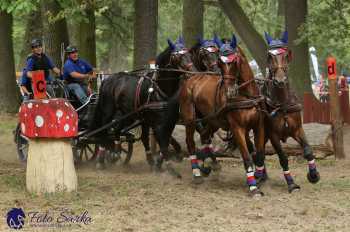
{"x": 49, "y": 124}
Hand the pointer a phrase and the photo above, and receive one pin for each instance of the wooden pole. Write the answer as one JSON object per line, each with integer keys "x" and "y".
{"x": 337, "y": 124}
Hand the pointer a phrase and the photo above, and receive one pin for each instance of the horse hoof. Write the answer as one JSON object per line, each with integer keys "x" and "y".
{"x": 215, "y": 166}
{"x": 261, "y": 179}
{"x": 256, "y": 193}
{"x": 293, "y": 188}
{"x": 205, "y": 171}
{"x": 172, "y": 171}
{"x": 313, "y": 177}
{"x": 198, "y": 180}
{"x": 100, "y": 166}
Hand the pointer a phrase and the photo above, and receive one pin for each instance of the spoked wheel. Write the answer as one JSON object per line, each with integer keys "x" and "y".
{"x": 122, "y": 151}
{"x": 22, "y": 144}
{"x": 84, "y": 151}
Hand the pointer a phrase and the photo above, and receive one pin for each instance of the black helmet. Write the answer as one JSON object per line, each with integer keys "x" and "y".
{"x": 71, "y": 49}
{"x": 36, "y": 43}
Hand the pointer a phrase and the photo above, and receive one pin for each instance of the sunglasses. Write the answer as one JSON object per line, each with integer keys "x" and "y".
{"x": 38, "y": 46}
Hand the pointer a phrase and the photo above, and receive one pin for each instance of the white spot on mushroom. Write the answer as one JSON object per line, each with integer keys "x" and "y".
{"x": 25, "y": 115}
{"x": 67, "y": 117}
{"x": 45, "y": 101}
{"x": 36, "y": 134}
{"x": 66, "y": 127}
{"x": 66, "y": 104}
{"x": 19, "y": 111}
{"x": 39, "y": 121}
{"x": 23, "y": 128}
{"x": 59, "y": 113}
{"x": 30, "y": 105}
{"x": 36, "y": 105}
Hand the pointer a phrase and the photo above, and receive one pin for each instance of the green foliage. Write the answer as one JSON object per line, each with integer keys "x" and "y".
{"x": 327, "y": 30}
{"x": 23, "y": 6}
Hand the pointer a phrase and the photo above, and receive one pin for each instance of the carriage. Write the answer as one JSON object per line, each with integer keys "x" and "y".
{"x": 85, "y": 145}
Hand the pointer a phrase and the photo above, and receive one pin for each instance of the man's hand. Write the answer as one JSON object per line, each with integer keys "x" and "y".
{"x": 57, "y": 71}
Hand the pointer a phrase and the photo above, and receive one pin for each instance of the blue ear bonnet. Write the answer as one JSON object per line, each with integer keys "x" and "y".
{"x": 178, "y": 45}
{"x": 226, "y": 50}
{"x": 277, "y": 43}
{"x": 208, "y": 43}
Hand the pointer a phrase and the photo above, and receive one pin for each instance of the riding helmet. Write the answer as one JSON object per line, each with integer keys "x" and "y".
{"x": 71, "y": 49}
{"x": 36, "y": 43}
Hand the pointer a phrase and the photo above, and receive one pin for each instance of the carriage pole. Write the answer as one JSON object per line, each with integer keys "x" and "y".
{"x": 336, "y": 120}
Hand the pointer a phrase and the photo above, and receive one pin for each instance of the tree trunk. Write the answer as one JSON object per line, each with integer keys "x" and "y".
{"x": 55, "y": 33}
{"x": 85, "y": 36}
{"x": 145, "y": 32}
{"x": 8, "y": 93}
{"x": 34, "y": 29}
{"x": 299, "y": 72}
{"x": 192, "y": 21}
{"x": 50, "y": 166}
{"x": 245, "y": 29}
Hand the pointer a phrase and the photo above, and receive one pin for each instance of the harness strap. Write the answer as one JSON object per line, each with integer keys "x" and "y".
{"x": 137, "y": 93}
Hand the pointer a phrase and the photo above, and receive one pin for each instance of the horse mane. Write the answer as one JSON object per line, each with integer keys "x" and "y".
{"x": 247, "y": 73}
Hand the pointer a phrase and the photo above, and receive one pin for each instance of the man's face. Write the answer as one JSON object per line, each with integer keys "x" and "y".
{"x": 73, "y": 55}
{"x": 37, "y": 50}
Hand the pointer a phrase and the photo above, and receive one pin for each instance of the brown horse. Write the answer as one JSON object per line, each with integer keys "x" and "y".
{"x": 229, "y": 102}
{"x": 284, "y": 119}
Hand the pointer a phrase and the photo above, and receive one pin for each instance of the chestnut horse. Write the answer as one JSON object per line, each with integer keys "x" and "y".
{"x": 284, "y": 118}
{"x": 229, "y": 101}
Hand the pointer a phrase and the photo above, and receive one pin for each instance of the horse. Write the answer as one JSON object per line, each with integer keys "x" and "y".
{"x": 229, "y": 101}
{"x": 284, "y": 112}
{"x": 133, "y": 97}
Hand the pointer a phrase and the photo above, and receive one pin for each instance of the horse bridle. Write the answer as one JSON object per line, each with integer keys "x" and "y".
{"x": 210, "y": 50}
{"x": 273, "y": 70}
{"x": 176, "y": 56}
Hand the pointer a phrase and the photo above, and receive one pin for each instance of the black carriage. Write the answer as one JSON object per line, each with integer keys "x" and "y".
{"x": 85, "y": 145}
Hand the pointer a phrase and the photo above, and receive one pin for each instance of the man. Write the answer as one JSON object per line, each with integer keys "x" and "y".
{"x": 75, "y": 71}
{"x": 38, "y": 61}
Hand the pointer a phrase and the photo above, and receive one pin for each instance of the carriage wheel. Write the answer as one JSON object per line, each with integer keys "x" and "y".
{"x": 22, "y": 144}
{"x": 84, "y": 151}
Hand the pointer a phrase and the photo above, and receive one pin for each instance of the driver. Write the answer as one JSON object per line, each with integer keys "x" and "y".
{"x": 37, "y": 61}
{"x": 75, "y": 71}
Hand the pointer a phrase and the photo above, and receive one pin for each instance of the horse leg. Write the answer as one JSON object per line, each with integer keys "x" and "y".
{"x": 162, "y": 136}
{"x": 177, "y": 147}
{"x": 145, "y": 142}
{"x": 240, "y": 136}
{"x": 259, "y": 155}
{"x": 283, "y": 158}
{"x": 313, "y": 175}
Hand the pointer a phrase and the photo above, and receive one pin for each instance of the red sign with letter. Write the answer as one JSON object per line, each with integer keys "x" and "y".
{"x": 331, "y": 68}
{"x": 39, "y": 84}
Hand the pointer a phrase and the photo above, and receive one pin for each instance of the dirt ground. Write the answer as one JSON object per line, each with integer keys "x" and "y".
{"x": 135, "y": 199}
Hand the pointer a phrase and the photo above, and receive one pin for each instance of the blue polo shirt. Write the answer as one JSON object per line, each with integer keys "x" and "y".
{"x": 79, "y": 66}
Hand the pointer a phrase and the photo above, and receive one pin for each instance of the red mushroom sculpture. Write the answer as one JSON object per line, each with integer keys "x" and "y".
{"x": 49, "y": 123}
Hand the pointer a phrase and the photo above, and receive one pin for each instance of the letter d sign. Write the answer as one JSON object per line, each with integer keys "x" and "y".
{"x": 331, "y": 68}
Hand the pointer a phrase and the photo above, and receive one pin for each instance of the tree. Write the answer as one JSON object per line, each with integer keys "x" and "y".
{"x": 192, "y": 21}
{"x": 253, "y": 40}
{"x": 55, "y": 30}
{"x": 8, "y": 93}
{"x": 145, "y": 31}
{"x": 34, "y": 29}
{"x": 299, "y": 72}
{"x": 83, "y": 29}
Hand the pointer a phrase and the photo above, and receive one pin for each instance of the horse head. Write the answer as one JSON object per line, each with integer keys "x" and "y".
{"x": 229, "y": 59}
{"x": 278, "y": 58}
{"x": 208, "y": 55}
{"x": 180, "y": 56}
